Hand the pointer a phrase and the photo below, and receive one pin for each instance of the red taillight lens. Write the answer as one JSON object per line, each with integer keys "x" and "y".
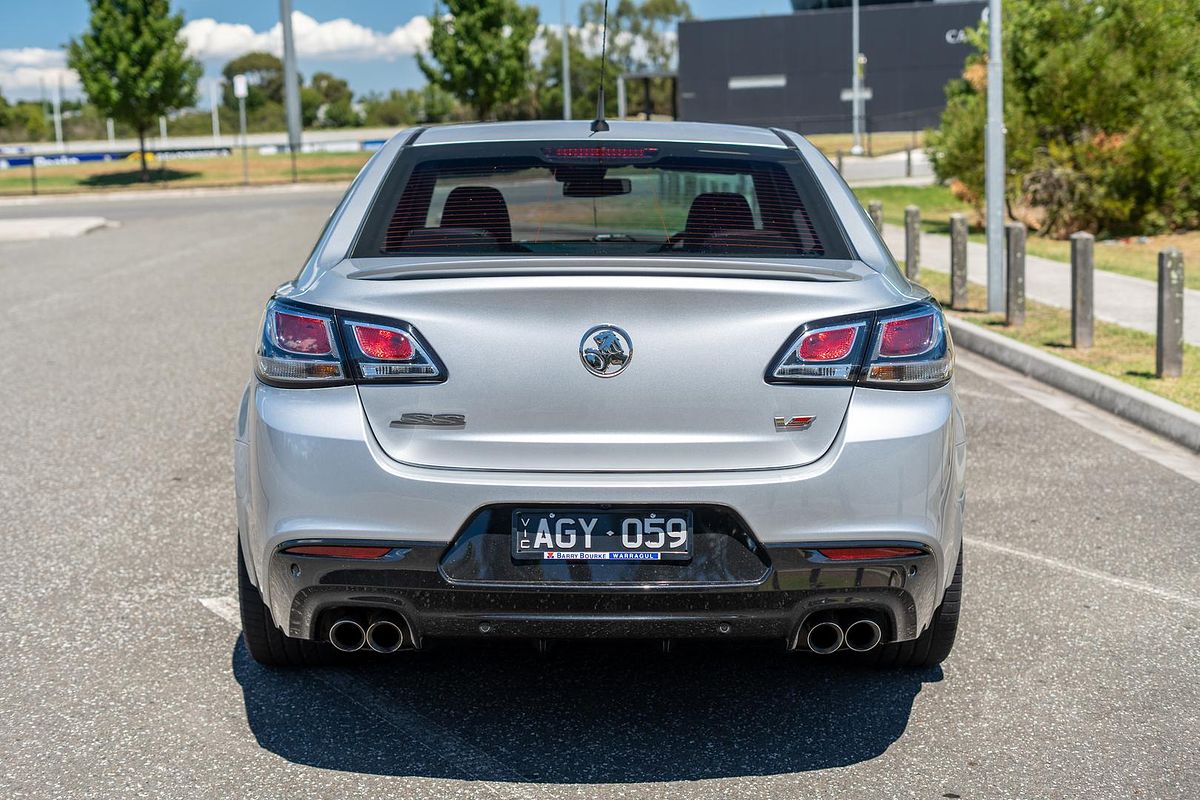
{"x": 831, "y": 344}
{"x": 300, "y": 334}
{"x": 865, "y": 553}
{"x": 338, "y": 551}
{"x": 907, "y": 337}
{"x": 383, "y": 344}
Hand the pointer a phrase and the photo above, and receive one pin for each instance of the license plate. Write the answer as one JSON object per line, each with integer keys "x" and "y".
{"x": 587, "y": 535}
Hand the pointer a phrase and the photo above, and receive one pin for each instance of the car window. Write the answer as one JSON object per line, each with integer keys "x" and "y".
{"x": 604, "y": 200}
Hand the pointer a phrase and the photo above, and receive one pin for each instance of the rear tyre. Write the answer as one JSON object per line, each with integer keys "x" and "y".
{"x": 267, "y": 644}
{"x": 934, "y": 645}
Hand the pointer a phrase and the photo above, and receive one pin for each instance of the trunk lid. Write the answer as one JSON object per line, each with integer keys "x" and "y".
{"x": 692, "y": 396}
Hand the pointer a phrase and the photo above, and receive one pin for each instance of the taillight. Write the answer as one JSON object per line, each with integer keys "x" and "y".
{"x": 911, "y": 349}
{"x": 298, "y": 347}
{"x": 301, "y": 346}
{"x": 826, "y": 352}
{"x": 904, "y": 348}
{"x": 388, "y": 353}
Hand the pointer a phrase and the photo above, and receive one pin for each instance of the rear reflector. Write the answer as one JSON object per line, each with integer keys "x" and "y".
{"x": 338, "y": 551}
{"x": 864, "y": 553}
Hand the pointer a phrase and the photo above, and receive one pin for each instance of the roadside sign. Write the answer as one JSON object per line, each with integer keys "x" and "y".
{"x": 240, "y": 89}
{"x": 848, "y": 95}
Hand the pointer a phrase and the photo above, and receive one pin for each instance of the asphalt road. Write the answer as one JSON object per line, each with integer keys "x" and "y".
{"x": 124, "y": 353}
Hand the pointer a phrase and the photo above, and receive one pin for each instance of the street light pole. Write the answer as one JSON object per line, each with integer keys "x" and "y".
{"x": 291, "y": 82}
{"x": 566, "y": 62}
{"x": 856, "y": 83}
{"x": 212, "y": 107}
{"x": 995, "y": 161}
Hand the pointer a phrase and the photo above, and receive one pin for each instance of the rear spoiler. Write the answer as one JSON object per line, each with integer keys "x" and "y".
{"x": 396, "y": 269}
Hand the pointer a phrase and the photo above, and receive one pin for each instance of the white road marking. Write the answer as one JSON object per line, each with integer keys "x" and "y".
{"x": 1084, "y": 572}
{"x": 224, "y": 607}
{"x": 1174, "y": 457}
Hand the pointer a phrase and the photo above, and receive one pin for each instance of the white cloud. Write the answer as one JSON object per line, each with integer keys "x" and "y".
{"x": 24, "y": 71}
{"x": 336, "y": 39}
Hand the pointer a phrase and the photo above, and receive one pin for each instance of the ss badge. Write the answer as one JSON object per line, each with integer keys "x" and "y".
{"x": 430, "y": 420}
{"x": 793, "y": 423}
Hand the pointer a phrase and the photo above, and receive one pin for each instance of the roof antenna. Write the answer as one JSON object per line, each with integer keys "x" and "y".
{"x": 599, "y": 124}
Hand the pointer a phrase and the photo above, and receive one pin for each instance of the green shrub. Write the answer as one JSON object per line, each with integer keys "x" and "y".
{"x": 1102, "y": 108}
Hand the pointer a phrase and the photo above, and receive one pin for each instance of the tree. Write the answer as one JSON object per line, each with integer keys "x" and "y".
{"x": 264, "y": 80}
{"x": 641, "y": 38}
{"x": 479, "y": 52}
{"x": 133, "y": 65}
{"x": 1101, "y": 112}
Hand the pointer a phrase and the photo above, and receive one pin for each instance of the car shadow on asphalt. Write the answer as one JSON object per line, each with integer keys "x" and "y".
{"x": 583, "y": 713}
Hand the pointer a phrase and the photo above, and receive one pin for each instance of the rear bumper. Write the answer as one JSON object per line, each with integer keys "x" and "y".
{"x": 309, "y": 469}
{"x": 307, "y": 592}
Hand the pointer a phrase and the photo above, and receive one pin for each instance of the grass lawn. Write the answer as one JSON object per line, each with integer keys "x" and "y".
{"x": 1126, "y": 256}
{"x": 1120, "y": 352}
{"x": 881, "y": 143}
{"x": 189, "y": 173}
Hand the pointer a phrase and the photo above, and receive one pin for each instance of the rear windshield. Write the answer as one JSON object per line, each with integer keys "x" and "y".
{"x": 568, "y": 199}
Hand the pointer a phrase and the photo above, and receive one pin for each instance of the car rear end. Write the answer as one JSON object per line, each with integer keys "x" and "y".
{"x": 663, "y": 382}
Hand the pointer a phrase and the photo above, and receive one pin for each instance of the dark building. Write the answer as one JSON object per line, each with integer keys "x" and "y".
{"x": 789, "y": 71}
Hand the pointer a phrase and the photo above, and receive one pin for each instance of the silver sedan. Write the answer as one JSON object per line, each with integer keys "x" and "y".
{"x": 663, "y": 381}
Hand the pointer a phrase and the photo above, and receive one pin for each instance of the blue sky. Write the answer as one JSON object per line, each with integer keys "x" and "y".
{"x": 371, "y": 46}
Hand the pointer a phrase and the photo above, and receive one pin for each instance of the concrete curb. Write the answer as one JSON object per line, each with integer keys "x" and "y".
{"x": 1170, "y": 420}
{"x": 107, "y": 195}
{"x": 38, "y": 228}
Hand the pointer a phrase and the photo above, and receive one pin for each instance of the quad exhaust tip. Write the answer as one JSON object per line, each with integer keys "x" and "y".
{"x": 825, "y": 637}
{"x": 828, "y": 636}
{"x": 385, "y": 636}
{"x": 347, "y": 635}
{"x": 863, "y": 635}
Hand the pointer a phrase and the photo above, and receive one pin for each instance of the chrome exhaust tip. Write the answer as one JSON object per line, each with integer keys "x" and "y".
{"x": 385, "y": 636}
{"x": 347, "y": 635}
{"x": 825, "y": 638}
{"x": 863, "y": 635}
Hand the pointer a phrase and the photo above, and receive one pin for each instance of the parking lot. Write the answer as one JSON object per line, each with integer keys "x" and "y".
{"x": 122, "y": 675}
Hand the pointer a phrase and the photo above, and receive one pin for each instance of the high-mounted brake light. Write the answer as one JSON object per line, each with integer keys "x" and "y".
{"x": 614, "y": 153}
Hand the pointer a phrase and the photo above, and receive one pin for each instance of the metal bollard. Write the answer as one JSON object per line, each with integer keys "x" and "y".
{"x": 1083, "y": 253}
{"x": 912, "y": 242}
{"x": 875, "y": 208}
{"x": 958, "y": 261}
{"x": 1168, "y": 356}
{"x": 1015, "y": 300}
{"x": 839, "y": 162}
{"x": 908, "y": 162}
